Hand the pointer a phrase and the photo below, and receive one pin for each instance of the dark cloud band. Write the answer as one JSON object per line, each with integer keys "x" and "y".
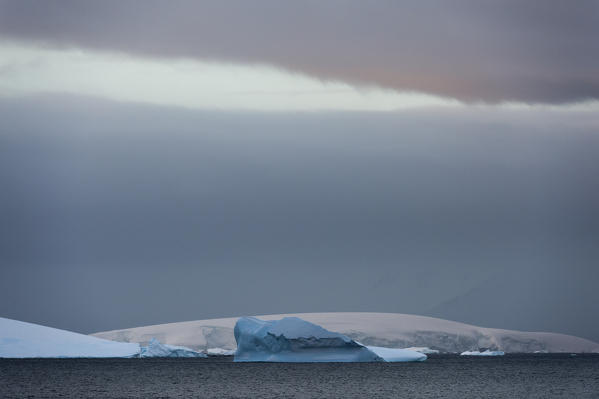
{"x": 533, "y": 51}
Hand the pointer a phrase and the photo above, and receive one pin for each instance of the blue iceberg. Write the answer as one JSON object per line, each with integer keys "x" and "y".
{"x": 292, "y": 339}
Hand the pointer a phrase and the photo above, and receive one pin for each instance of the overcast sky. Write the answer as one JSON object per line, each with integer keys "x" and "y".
{"x": 170, "y": 161}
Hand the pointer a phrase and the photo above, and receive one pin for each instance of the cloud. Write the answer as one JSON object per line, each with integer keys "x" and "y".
{"x": 188, "y": 83}
{"x": 534, "y": 51}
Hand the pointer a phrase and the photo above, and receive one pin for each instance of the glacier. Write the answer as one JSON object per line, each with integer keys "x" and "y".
{"x": 485, "y": 353}
{"x": 292, "y": 339}
{"x": 377, "y": 329}
{"x": 19, "y": 339}
{"x": 156, "y": 349}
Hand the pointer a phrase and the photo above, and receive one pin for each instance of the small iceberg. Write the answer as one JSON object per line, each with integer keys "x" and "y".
{"x": 398, "y": 355}
{"x": 485, "y": 353}
{"x": 292, "y": 339}
{"x": 424, "y": 349}
{"x": 220, "y": 352}
{"x": 156, "y": 349}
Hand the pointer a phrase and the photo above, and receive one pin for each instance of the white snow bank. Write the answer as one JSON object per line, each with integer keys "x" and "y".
{"x": 156, "y": 349}
{"x": 397, "y": 355}
{"x": 485, "y": 353}
{"x": 377, "y": 329}
{"x": 295, "y": 340}
{"x": 19, "y": 339}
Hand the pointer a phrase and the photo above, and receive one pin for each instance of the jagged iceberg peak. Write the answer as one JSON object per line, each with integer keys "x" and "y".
{"x": 292, "y": 339}
{"x": 296, "y": 328}
{"x": 156, "y": 349}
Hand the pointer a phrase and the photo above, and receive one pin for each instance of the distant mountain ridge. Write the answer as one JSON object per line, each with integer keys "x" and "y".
{"x": 377, "y": 329}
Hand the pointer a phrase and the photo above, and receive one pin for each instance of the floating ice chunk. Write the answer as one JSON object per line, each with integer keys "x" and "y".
{"x": 220, "y": 352}
{"x": 485, "y": 353}
{"x": 156, "y": 349}
{"x": 19, "y": 339}
{"x": 398, "y": 355}
{"x": 424, "y": 349}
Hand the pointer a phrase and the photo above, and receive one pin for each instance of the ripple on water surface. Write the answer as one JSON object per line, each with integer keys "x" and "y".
{"x": 534, "y": 376}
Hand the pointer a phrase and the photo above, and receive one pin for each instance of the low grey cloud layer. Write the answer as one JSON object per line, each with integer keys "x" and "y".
{"x": 117, "y": 215}
{"x": 531, "y": 51}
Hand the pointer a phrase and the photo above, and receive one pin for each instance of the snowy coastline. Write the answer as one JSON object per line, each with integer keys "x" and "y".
{"x": 393, "y": 330}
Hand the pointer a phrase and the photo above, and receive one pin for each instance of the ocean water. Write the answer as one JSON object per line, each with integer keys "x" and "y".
{"x": 443, "y": 376}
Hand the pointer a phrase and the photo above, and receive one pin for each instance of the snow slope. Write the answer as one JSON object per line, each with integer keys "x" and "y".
{"x": 376, "y": 329}
{"x": 19, "y": 339}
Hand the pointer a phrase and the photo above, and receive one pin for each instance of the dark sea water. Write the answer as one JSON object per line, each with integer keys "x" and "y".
{"x": 511, "y": 376}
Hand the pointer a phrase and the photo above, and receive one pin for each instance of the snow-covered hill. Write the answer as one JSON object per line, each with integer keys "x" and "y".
{"x": 378, "y": 329}
{"x": 19, "y": 339}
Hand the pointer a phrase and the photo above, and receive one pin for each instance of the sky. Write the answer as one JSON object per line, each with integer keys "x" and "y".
{"x": 170, "y": 161}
